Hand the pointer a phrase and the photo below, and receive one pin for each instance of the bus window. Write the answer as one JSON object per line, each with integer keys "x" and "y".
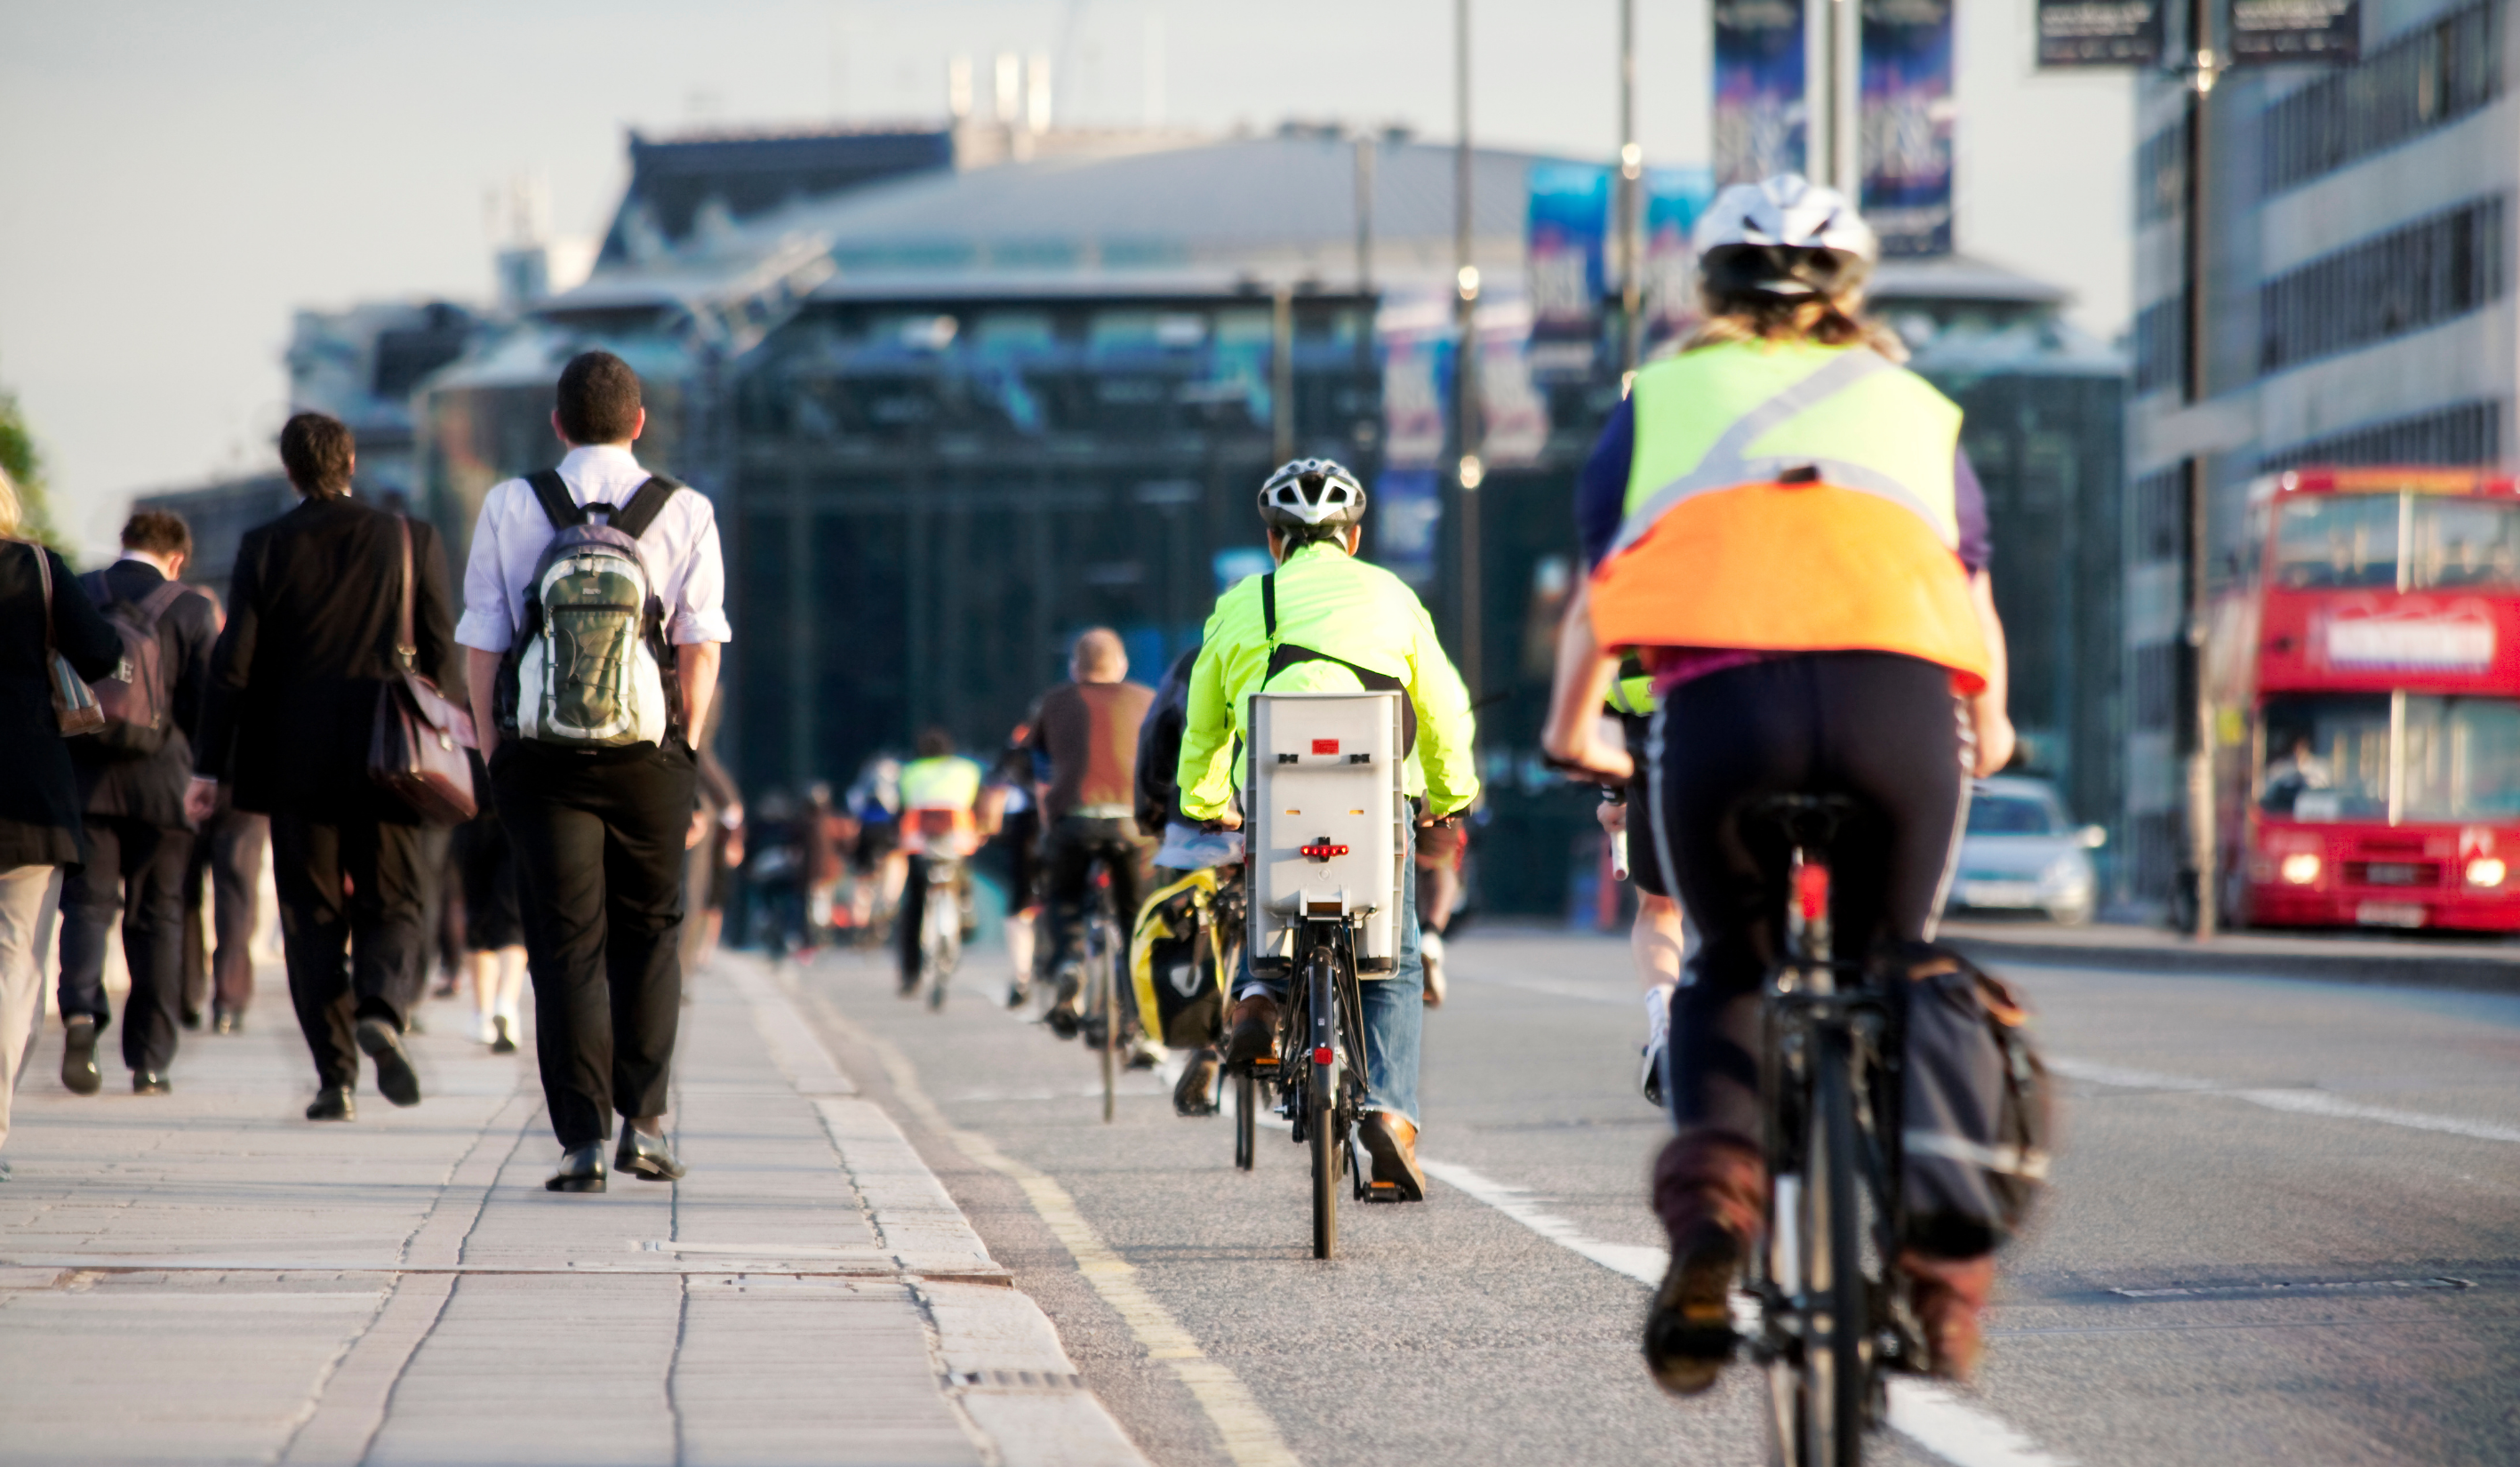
{"x": 2337, "y": 541}
{"x": 2462, "y": 758}
{"x": 2327, "y": 757}
{"x": 2465, "y": 542}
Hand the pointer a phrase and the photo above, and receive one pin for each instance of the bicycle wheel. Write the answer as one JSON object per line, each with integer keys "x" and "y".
{"x": 1326, "y": 1127}
{"x": 1102, "y": 960}
{"x": 1833, "y": 1372}
{"x": 944, "y": 939}
{"x": 1247, "y": 1120}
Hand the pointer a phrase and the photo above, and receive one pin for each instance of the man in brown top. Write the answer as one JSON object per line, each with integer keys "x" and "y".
{"x": 1088, "y": 730}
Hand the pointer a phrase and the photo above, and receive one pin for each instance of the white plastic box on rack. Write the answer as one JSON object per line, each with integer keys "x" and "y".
{"x": 1327, "y": 820}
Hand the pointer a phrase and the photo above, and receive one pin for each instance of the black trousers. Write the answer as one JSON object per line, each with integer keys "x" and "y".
{"x": 1069, "y": 851}
{"x": 135, "y": 870}
{"x": 354, "y": 920}
{"x": 599, "y": 849}
{"x": 1883, "y": 729}
{"x": 227, "y": 860}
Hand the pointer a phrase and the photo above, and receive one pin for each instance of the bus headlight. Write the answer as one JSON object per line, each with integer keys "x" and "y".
{"x": 2487, "y": 871}
{"x": 2300, "y": 868}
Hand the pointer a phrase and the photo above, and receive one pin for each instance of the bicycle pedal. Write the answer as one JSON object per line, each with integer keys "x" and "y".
{"x": 1384, "y": 1192}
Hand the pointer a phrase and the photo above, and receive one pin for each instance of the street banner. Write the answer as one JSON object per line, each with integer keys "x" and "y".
{"x": 1513, "y": 406}
{"x": 1568, "y": 222}
{"x": 2099, "y": 33}
{"x": 1760, "y": 115}
{"x": 1416, "y": 333}
{"x": 1906, "y": 124}
{"x": 1408, "y": 512}
{"x": 2268, "y": 33}
{"x": 1674, "y": 198}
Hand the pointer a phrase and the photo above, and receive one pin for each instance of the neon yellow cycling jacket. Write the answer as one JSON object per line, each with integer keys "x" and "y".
{"x": 1340, "y": 608}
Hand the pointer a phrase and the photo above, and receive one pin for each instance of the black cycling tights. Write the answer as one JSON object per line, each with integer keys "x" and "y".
{"x": 1881, "y": 728}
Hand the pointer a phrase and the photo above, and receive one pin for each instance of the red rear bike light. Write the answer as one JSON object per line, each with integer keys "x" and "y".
{"x": 1324, "y": 851}
{"x": 1322, "y": 1056}
{"x": 1811, "y": 892}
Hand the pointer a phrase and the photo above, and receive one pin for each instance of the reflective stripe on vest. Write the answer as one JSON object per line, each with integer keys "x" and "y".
{"x": 1791, "y": 497}
{"x": 947, "y": 783}
{"x": 1633, "y": 693}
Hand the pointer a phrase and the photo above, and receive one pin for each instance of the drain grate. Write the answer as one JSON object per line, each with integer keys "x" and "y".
{"x": 2279, "y": 1288}
{"x": 1024, "y": 1380}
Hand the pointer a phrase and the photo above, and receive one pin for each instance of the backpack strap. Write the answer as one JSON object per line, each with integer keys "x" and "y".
{"x": 1269, "y": 605}
{"x": 154, "y": 605}
{"x": 558, "y": 507}
{"x": 644, "y": 504}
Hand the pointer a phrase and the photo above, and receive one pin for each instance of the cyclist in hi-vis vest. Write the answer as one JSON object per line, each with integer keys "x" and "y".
{"x": 940, "y": 795}
{"x": 1798, "y": 561}
{"x": 1327, "y": 621}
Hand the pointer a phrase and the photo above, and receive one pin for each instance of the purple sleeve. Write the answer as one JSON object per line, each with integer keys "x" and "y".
{"x": 1977, "y": 541}
{"x": 1601, "y": 488}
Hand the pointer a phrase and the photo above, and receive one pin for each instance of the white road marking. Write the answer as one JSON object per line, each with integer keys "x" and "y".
{"x": 2299, "y": 1102}
{"x": 1928, "y": 1414}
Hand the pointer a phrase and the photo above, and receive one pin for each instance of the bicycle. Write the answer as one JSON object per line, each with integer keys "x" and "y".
{"x": 1105, "y": 949}
{"x": 940, "y": 926}
{"x": 1830, "y": 1328}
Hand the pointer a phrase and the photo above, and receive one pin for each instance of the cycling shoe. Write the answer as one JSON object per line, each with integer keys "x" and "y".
{"x": 1688, "y": 1330}
{"x": 1194, "y": 1093}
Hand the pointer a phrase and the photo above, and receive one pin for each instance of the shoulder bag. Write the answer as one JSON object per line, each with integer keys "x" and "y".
{"x": 419, "y": 749}
{"x": 74, "y": 702}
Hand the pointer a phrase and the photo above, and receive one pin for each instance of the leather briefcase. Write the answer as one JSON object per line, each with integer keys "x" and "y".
{"x": 420, "y": 747}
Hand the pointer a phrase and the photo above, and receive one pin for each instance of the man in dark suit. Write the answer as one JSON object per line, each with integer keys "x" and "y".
{"x": 312, "y": 620}
{"x": 138, "y": 844}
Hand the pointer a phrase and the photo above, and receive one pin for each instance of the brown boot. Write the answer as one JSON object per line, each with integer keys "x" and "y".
{"x": 1252, "y": 1032}
{"x": 1949, "y": 1294}
{"x": 1711, "y": 1191}
{"x": 1391, "y": 1139}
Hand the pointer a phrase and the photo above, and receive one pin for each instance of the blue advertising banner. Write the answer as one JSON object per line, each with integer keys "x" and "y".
{"x": 1758, "y": 112}
{"x": 1907, "y": 111}
{"x": 2099, "y": 33}
{"x": 1674, "y": 198}
{"x": 1407, "y": 507}
{"x": 1568, "y": 220}
{"x": 2268, "y": 32}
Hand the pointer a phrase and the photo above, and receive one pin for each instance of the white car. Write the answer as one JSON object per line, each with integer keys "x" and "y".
{"x": 2021, "y": 852}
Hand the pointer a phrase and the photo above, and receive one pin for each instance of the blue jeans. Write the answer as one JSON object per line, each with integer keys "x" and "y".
{"x": 1395, "y": 1009}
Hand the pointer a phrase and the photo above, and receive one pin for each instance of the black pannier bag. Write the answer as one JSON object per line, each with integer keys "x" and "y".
{"x": 1979, "y": 1117}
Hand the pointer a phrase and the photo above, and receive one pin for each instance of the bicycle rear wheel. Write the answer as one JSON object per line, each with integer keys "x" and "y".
{"x": 1101, "y": 978}
{"x": 1247, "y": 1120}
{"x": 1326, "y": 1127}
{"x": 1819, "y": 1394}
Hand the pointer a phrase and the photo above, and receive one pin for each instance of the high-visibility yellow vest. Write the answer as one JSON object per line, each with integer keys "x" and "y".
{"x": 1791, "y": 497}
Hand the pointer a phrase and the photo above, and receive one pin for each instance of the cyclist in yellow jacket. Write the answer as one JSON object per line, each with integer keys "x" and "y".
{"x": 1325, "y": 622}
{"x": 1791, "y": 561}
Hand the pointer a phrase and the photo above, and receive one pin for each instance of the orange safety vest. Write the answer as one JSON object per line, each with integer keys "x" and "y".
{"x": 1791, "y": 497}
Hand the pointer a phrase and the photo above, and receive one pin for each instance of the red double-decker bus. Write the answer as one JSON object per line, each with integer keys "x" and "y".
{"x": 2366, "y": 676}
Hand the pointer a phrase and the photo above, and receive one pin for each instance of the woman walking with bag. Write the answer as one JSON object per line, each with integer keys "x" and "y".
{"x": 45, "y": 620}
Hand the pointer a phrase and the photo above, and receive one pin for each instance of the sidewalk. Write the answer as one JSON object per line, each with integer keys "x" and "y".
{"x": 2435, "y": 960}
{"x": 206, "y": 1277}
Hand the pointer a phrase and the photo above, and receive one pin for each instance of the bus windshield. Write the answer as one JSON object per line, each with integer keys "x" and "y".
{"x": 2350, "y": 542}
{"x": 2461, "y": 543}
{"x": 2328, "y": 758}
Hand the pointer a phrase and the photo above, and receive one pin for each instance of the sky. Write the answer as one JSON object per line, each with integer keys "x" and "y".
{"x": 177, "y": 178}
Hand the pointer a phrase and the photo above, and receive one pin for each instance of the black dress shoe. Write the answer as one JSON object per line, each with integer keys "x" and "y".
{"x": 333, "y": 1104}
{"x": 192, "y": 1019}
{"x": 150, "y": 1082}
{"x": 580, "y": 1171}
{"x": 395, "y": 1075}
{"x": 646, "y": 1157}
{"x": 78, "y": 1056}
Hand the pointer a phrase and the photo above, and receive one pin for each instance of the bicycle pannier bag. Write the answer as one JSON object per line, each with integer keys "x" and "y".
{"x": 74, "y": 708}
{"x": 136, "y": 697}
{"x": 590, "y": 668}
{"x": 419, "y": 747}
{"x": 1173, "y": 960}
{"x": 1979, "y": 1115}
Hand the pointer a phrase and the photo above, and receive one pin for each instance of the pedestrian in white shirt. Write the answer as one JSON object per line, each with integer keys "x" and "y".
{"x": 586, "y": 708}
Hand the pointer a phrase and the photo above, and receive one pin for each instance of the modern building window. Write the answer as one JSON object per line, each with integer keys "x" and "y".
{"x": 2160, "y": 510}
{"x": 2426, "y": 79}
{"x": 2413, "y": 277}
{"x": 2160, "y": 343}
{"x": 2161, "y": 174}
{"x": 2465, "y": 433}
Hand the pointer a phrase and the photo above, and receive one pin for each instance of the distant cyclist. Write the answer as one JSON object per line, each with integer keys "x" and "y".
{"x": 1327, "y": 621}
{"x": 940, "y": 797}
{"x": 1086, "y": 729}
{"x": 1658, "y": 937}
{"x": 1796, "y": 549}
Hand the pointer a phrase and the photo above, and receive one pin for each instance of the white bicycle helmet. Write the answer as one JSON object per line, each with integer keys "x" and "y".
{"x": 1784, "y": 236}
{"x": 1310, "y": 495}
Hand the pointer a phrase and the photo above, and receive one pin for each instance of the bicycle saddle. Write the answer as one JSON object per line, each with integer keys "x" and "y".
{"x": 1808, "y": 820}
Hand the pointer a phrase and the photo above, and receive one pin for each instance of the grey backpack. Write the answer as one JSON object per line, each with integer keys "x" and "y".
{"x": 590, "y": 668}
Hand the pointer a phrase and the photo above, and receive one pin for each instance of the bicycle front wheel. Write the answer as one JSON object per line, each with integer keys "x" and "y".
{"x": 1825, "y": 1413}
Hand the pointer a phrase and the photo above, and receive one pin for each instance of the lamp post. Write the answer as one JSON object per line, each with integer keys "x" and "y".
{"x": 1467, "y": 469}
{"x": 1631, "y": 170}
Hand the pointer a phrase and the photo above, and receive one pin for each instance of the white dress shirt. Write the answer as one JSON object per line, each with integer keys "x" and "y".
{"x": 680, "y": 547}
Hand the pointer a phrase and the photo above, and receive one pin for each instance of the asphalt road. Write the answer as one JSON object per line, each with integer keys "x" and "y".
{"x": 2285, "y": 1228}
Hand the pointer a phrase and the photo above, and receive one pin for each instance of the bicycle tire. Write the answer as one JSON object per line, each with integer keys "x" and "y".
{"x": 1247, "y": 1120}
{"x": 1836, "y": 1361}
{"x": 1327, "y": 1128}
{"x": 1100, "y": 954}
